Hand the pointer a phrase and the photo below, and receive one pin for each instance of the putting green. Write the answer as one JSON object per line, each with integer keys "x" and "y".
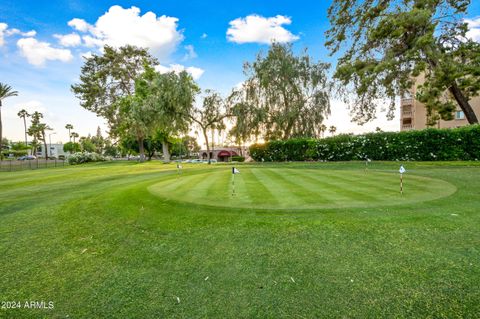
{"x": 276, "y": 188}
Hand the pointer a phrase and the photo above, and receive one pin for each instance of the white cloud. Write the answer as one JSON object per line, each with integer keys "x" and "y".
{"x": 195, "y": 72}
{"x": 191, "y": 54}
{"x": 119, "y": 27}
{"x": 14, "y": 31}
{"x": 3, "y": 28}
{"x": 474, "y": 29}
{"x": 91, "y": 42}
{"x": 204, "y": 36}
{"x": 37, "y": 52}
{"x": 86, "y": 55}
{"x": 69, "y": 40}
{"x": 258, "y": 29}
{"x": 79, "y": 25}
{"x": 5, "y": 31}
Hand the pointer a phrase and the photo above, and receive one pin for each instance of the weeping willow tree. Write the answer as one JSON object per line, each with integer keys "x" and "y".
{"x": 284, "y": 96}
{"x": 385, "y": 45}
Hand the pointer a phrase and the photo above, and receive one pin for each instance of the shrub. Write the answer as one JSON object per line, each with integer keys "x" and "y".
{"x": 238, "y": 159}
{"x": 85, "y": 157}
{"x": 424, "y": 145}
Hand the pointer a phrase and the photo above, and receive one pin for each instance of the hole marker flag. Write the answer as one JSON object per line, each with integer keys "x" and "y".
{"x": 234, "y": 171}
{"x": 179, "y": 166}
{"x": 401, "y": 170}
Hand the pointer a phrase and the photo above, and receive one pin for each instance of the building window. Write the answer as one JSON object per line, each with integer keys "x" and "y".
{"x": 459, "y": 115}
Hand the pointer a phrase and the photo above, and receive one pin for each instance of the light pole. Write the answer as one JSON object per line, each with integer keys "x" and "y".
{"x": 50, "y": 142}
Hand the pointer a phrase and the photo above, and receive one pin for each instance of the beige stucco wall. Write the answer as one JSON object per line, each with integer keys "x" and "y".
{"x": 419, "y": 113}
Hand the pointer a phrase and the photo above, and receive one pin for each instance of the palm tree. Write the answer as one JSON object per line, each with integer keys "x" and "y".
{"x": 42, "y": 127}
{"x": 69, "y": 127}
{"x": 332, "y": 130}
{"x": 23, "y": 114}
{"x": 323, "y": 129}
{"x": 74, "y": 135}
{"x": 34, "y": 131}
{"x": 5, "y": 91}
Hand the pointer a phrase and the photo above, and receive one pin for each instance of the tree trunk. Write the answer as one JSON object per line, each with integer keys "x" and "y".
{"x": 25, "y": 126}
{"x": 463, "y": 103}
{"x": 165, "y": 151}
{"x": 45, "y": 145}
{"x": 141, "y": 149}
{"x": 460, "y": 98}
{"x": 1, "y": 136}
{"x": 205, "y": 135}
{"x": 213, "y": 145}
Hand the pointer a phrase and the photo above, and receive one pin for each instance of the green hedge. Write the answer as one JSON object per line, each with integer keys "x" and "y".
{"x": 238, "y": 159}
{"x": 425, "y": 145}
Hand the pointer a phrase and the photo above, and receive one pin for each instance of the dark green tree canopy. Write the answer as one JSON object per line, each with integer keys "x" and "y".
{"x": 386, "y": 45}
{"x": 108, "y": 77}
{"x": 284, "y": 96}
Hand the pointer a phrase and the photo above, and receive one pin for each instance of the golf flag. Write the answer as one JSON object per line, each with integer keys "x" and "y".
{"x": 401, "y": 170}
{"x": 234, "y": 171}
{"x": 179, "y": 166}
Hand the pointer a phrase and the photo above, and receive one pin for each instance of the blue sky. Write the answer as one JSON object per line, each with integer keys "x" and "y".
{"x": 42, "y": 43}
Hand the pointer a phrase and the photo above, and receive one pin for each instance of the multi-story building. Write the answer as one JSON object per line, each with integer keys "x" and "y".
{"x": 413, "y": 114}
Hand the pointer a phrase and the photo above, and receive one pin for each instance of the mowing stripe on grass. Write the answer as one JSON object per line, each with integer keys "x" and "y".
{"x": 257, "y": 191}
{"x": 348, "y": 186}
{"x": 284, "y": 192}
{"x": 298, "y": 188}
{"x": 340, "y": 187}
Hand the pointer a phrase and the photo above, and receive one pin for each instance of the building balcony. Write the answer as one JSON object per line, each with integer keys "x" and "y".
{"x": 408, "y": 101}
{"x": 406, "y": 127}
{"x": 407, "y": 114}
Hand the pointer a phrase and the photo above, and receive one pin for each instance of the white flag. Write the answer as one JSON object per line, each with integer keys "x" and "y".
{"x": 402, "y": 169}
{"x": 235, "y": 171}
{"x": 179, "y": 166}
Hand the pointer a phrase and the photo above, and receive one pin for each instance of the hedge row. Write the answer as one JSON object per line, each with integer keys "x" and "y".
{"x": 425, "y": 145}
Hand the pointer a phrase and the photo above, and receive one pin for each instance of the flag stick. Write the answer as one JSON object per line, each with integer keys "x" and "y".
{"x": 401, "y": 184}
{"x": 233, "y": 185}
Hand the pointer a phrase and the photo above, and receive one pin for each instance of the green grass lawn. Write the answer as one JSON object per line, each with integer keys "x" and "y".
{"x": 127, "y": 240}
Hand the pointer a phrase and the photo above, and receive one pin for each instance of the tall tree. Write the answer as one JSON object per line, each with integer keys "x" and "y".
{"x": 387, "y": 44}
{"x": 161, "y": 103}
{"x": 98, "y": 141}
{"x": 5, "y": 91}
{"x": 38, "y": 131}
{"x": 322, "y": 129}
{"x": 107, "y": 78}
{"x": 69, "y": 127}
{"x": 210, "y": 116}
{"x": 74, "y": 135}
{"x": 23, "y": 114}
{"x": 332, "y": 129}
{"x": 285, "y": 95}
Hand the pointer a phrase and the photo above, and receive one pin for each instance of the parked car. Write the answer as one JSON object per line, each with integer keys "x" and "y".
{"x": 27, "y": 158}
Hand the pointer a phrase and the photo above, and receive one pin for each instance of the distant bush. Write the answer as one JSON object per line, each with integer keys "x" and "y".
{"x": 238, "y": 159}
{"x": 424, "y": 145}
{"x": 71, "y": 147}
{"x": 86, "y": 157}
